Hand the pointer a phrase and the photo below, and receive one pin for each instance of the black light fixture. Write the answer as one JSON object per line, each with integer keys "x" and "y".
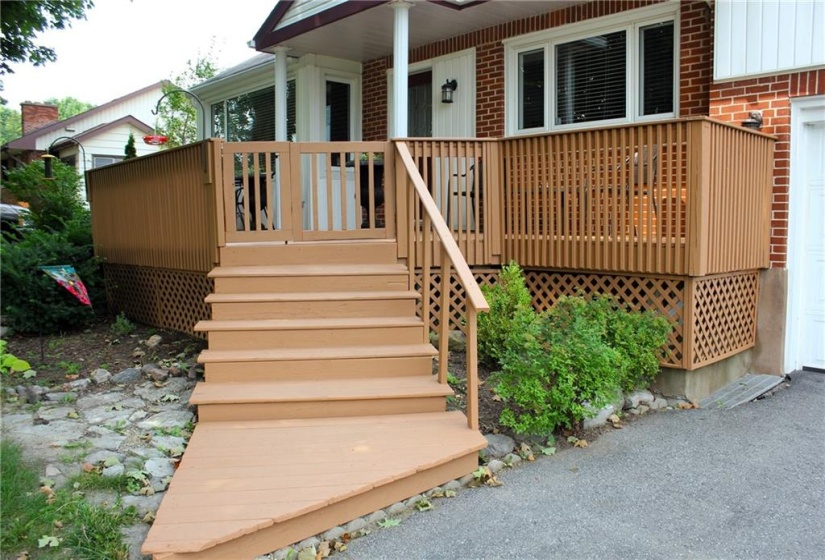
{"x": 753, "y": 121}
{"x": 447, "y": 91}
{"x": 49, "y": 156}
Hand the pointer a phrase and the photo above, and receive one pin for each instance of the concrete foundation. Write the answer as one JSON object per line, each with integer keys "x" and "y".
{"x": 697, "y": 384}
{"x": 769, "y": 352}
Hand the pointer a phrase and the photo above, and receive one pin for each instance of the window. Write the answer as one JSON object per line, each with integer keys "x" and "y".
{"x": 100, "y": 161}
{"x": 251, "y": 116}
{"x": 620, "y": 72}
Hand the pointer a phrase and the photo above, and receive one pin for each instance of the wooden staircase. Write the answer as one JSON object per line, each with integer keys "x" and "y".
{"x": 318, "y": 406}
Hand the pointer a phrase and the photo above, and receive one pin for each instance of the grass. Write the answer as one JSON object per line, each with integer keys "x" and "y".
{"x": 59, "y": 524}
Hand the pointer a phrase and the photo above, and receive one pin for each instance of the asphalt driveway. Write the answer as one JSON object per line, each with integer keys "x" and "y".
{"x": 743, "y": 483}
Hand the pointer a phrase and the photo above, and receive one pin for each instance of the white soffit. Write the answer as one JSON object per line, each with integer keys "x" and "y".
{"x": 369, "y": 34}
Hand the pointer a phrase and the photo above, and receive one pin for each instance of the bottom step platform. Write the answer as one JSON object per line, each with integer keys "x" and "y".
{"x": 246, "y": 488}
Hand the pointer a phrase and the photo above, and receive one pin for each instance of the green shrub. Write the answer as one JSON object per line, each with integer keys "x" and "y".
{"x": 34, "y": 302}
{"x": 556, "y": 370}
{"x": 122, "y": 325}
{"x": 510, "y": 304}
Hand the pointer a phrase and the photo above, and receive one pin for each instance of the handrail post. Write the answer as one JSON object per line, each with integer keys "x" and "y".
{"x": 444, "y": 319}
{"x": 472, "y": 367}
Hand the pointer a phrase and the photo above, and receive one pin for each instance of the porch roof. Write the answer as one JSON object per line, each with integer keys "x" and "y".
{"x": 364, "y": 30}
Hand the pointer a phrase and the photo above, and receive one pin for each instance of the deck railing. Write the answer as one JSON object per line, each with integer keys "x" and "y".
{"x": 158, "y": 211}
{"x": 416, "y": 206}
{"x": 302, "y": 191}
{"x": 655, "y": 198}
{"x": 462, "y": 176}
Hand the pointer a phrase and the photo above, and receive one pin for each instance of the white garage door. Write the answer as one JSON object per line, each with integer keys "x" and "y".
{"x": 812, "y": 272}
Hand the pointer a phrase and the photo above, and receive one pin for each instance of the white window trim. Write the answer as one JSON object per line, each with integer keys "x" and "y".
{"x": 632, "y": 21}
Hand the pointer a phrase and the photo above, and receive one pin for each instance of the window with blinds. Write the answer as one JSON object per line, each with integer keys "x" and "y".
{"x": 620, "y": 73}
{"x": 251, "y": 116}
{"x": 591, "y": 79}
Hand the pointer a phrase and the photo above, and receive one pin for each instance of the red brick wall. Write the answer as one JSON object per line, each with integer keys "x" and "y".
{"x": 695, "y": 58}
{"x": 696, "y": 69}
{"x": 733, "y": 102}
{"x": 35, "y": 115}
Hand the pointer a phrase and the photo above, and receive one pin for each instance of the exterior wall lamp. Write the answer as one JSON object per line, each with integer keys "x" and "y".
{"x": 753, "y": 121}
{"x": 48, "y": 156}
{"x": 447, "y": 91}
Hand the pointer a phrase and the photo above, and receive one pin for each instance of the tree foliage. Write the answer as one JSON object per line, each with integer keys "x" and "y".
{"x": 9, "y": 125}
{"x": 69, "y": 106}
{"x": 177, "y": 115}
{"x": 21, "y": 21}
{"x": 130, "y": 151}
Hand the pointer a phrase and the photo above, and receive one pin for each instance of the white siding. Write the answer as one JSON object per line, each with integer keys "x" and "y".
{"x": 758, "y": 37}
{"x": 458, "y": 119}
{"x": 303, "y": 9}
{"x": 140, "y": 107}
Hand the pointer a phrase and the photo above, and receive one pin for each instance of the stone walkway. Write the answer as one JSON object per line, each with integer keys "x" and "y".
{"x": 133, "y": 423}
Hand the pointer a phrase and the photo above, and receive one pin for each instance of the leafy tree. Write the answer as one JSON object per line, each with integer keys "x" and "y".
{"x": 69, "y": 106}
{"x": 130, "y": 151}
{"x": 53, "y": 202}
{"x": 22, "y": 21}
{"x": 9, "y": 125}
{"x": 178, "y": 116}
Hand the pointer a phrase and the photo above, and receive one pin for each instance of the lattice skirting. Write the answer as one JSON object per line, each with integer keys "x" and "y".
{"x": 484, "y": 277}
{"x": 170, "y": 299}
{"x": 712, "y": 317}
{"x": 723, "y": 316}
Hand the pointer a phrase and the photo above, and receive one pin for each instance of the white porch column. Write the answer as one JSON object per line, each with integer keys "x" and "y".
{"x": 400, "y": 66}
{"x": 280, "y": 93}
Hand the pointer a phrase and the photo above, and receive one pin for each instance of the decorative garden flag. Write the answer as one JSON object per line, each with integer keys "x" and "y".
{"x": 67, "y": 277}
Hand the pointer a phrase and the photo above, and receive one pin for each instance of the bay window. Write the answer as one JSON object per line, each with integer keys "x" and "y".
{"x": 623, "y": 72}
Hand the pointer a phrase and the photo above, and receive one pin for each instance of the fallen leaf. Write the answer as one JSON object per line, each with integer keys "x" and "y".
{"x": 46, "y": 490}
{"x": 324, "y": 550}
{"x": 572, "y": 439}
{"x": 146, "y": 491}
{"x": 72, "y": 377}
{"x": 346, "y": 537}
{"x": 339, "y": 546}
{"x": 87, "y": 467}
{"x": 149, "y": 518}
{"x": 493, "y": 481}
{"x": 424, "y": 505}
{"x": 389, "y": 522}
{"x": 581, "y": 443}
{"x": 23, "y": 556}
{"x": 58, "y": 524}
{"x": 437, "y": 493}
{"x": 72, "y": 414}
{"x": 450, "y": 494}
{"x": 48, "y": 541}
{"x": 614, "y": 418}
{"x": 618, "y": 426}
{"x": 548, "y": 451}
{"x": 496, "y": 398}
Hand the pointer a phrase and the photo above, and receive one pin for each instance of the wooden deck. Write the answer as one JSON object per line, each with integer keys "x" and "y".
{"x": 319, "y": 403}
{"x": 247, "y": 487}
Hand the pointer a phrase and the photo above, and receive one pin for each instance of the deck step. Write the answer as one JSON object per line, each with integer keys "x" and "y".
{"x": 307, "y": 333}
{"x": 310, "y": 278}
{"x": 363, "y": 367}
{"x": 328, "y": 353}
{"x": 247, "y": 488}
{"x": 342, "y": 252}
{"x": 271, "y": 400}
{"x": 270, "y": 305}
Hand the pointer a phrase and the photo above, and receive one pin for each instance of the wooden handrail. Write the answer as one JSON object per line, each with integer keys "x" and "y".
{"x": 426, "y": 211}
{"x": 465, "y": 276}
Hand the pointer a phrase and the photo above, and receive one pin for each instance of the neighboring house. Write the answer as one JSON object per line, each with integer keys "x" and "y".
{"x": 102, "y": 131}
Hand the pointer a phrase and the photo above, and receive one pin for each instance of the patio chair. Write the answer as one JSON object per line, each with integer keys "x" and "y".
{"x": 469, "y": 189}
{"x": 257, "y": 190}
